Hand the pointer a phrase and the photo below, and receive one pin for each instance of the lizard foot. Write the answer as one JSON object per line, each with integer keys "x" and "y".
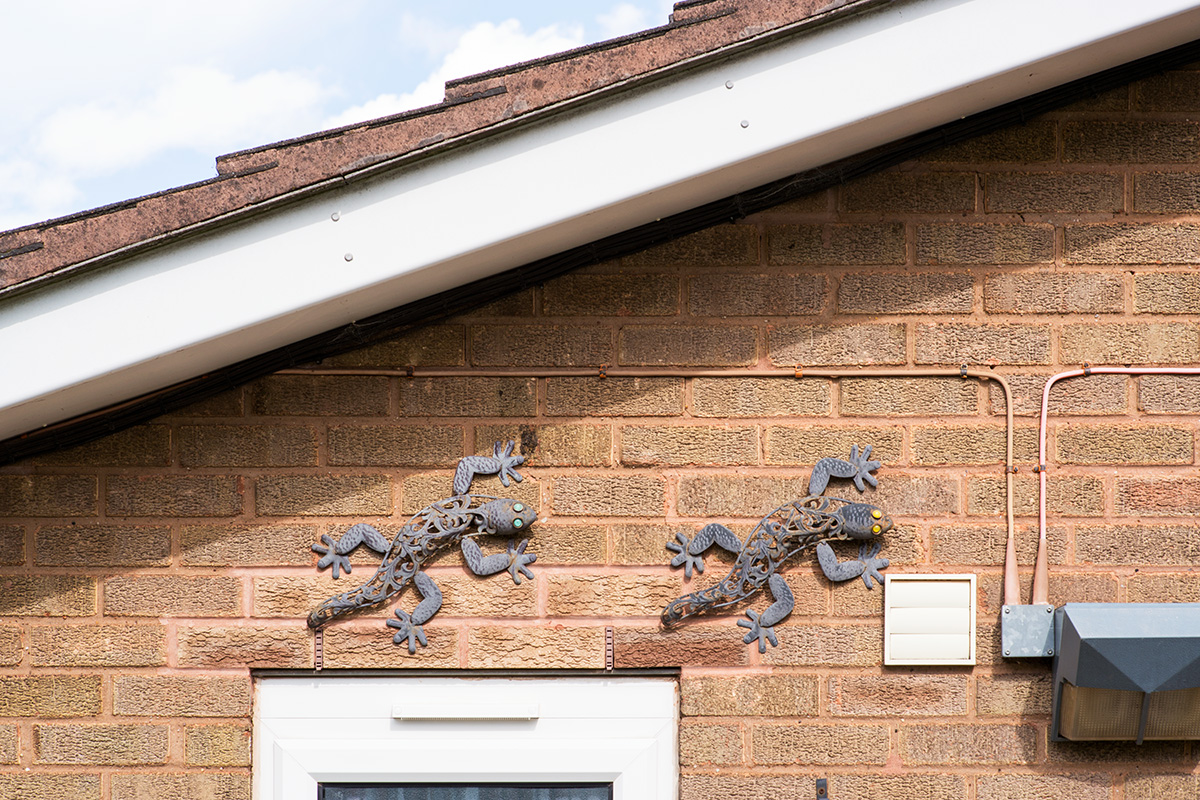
{"x": 871, "y": 565}
{"x": 863, "y": 468}
{"x": 763, "y": 633}
{"x": 507, "y": 461}
{"x": 517, "y": 559}
{"x": 685, "y": 559}
{"x": 329, "y": 558}
{"x": 406, "y": 630}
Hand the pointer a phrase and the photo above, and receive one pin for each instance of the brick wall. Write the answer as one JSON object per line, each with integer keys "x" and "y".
{"x": 143, "y": 576}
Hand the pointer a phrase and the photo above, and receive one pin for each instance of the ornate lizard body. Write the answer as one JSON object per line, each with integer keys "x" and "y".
{"x": 788, "y": 530}
{"x": 433, "y": 529}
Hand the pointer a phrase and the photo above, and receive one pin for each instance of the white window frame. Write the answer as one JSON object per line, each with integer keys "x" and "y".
{"x": 309, "y": 730}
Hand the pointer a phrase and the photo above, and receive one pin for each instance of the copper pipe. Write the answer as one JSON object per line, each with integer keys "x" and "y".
{"x": 1041, "y": 572}
{"x": 1012, "y": 592}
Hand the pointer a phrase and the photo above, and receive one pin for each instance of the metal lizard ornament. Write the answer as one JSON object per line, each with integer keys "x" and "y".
{"x": 432, "y": 530}
{"x": 811, "y": 521}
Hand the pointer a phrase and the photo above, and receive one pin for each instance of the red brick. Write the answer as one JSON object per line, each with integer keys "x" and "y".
{"x": 1132, "y": 243}
{"x": 9, "y": 744}
{"x": 50, "y": 696}
{"x": 225, "y": 404}
{"x": 781, "y": 695}
{"x": 1173, "y": 90}
{"x": 49, "y": 786}
{"x": 1158, "y": 497}
{"x": 970, "y": 444}
{"x": 552, "y": 445}
{"x": 10, "y": 646}
{"x": 1162, "y": 787}
{"x": 368, "y": 645}
{"x": 570, "y": 544}
{"x": 247, "y": 446}
{"x": 323, "y": 495}
{"x": 172, "y": 596}
{"x": 911, "y": 193}
{"x": 12, "y": 544}
{"x": 1096, "y": 394}
{"x": 916, "y": 494}
{"x": 610, "y": 595}
{"x": 1123, "y": 444}
{"x": 1054, "y": 293}
{"x": 691, "y": 345}
{"x": 898, "y": 695}
{"x": 888, "y": 397}
{"x": 614, "y": 397}
{"x": 141, "y": 446}
{"x": 1169, "y": 394}
{"x": 984, "y": 244}
{"x": 248, "y": 646}
{"x": 422, "y": 489}
{"x": 169, "y": 696}
{"x": 539, "y": 647}
{"x": 803, "y": 644}
{"x": 321, "y": 396}
{"x": 962, "y": 343}
{"x": 247, "y": 545}
{"x": 1166, "y": 192}
{"x": 735, "y": 785}
{"x": 103, "y": 546}
{"x": 468, "y": 397}
{"x": 836, "y": 244}
{"x": 725, "y": 495}
{"x": 1166, "y": 293}
{"x": 1017, "y": 695}
{"x": 183, "y": 786}
{"x": 805, "y": 445}
{"x": 541, "y": 345}
{"x": 1030, "y": 142}
{"x": 1137, "y": 142}
{"x": 968, "y": 744}
{"x": 434, "y": 345}
{"x": 47, "y": 596}
{"x": 760, "y": 397}
{"x": 702, "y": 743}
{"x": 1066, "y": 495}
{"x": 48, "y": 495}
{"x": 984, "y": 545}
{"x": 173, "y": 496}
{"x": 819, "y": 744}
{"x": 98, "y": 646}
{"x": 513, "y": 304}
{"x": 1154, "y": 343}
{"x": 609, "y": 495}
{"x": 217, "y": 745}
{"x": 742, "y": 295}
{"x": 936, "y": 293}
{"x": 1050, "y": 192}
{"x": 1025, "y": 787}
{"x": 641, "y": 544}
{"x": 613, "y": 295}
{"x": 395, "y": 445}
{"x": 835, "y": 345}
{"x": 1168, "y": 545}
{"x": 100, "y": 744}
{"x": 694, "y": 645}
{"x": 1108, "y": 754}
{"x": 718, "y": 246}
{"x": 1164, "y": 587}
{"x": 684, "y": 445}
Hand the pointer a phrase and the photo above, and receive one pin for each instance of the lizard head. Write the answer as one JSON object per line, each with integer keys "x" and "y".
{"x": 507, "y": 517}
{"x": 864, "y": 521}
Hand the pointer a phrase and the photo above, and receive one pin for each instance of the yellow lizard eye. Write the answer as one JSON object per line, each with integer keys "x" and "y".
{"x": 518, "y": 507}
{"x": 877, "y": 513}
{"x": 876, "y": 529}
{"x": 519, "y": 522}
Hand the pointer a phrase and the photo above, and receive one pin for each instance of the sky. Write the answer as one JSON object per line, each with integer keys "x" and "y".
{"x": 106, "y": 101}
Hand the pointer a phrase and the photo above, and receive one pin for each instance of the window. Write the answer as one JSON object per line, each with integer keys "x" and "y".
{"x": 465, "y": 738}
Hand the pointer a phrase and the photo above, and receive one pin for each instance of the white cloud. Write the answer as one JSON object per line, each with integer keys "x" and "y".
{"x": 433, "y": 37}
{"x": 484, "y": 46}
{"x": 194, "y": 108}
{"x": 622, "y": 19}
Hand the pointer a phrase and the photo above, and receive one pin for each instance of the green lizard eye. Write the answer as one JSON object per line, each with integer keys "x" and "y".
{"x": 518, "y": 507}
{"x": 519, "y": 522}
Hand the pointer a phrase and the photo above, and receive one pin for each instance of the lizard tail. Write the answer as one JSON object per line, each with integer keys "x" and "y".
{"x": 692, "y": 604}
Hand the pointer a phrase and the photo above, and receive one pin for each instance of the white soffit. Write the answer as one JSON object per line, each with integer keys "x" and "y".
{"x": 170, "y": 314}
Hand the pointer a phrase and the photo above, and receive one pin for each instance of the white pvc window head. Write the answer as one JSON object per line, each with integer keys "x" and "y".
{"x": 929, "y": 619}
{"x": 471, "y": 730}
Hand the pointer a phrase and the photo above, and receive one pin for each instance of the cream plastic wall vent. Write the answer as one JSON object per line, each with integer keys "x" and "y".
{"x": 929, "y": 619}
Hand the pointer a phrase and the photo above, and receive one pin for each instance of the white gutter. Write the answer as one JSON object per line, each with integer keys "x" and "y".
{"x": 171, "y": 314}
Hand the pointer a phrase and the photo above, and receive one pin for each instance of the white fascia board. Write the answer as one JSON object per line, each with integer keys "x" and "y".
{"x": 567, "y": 179}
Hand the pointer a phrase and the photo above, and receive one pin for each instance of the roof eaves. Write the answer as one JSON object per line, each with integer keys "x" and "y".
{"x": 822, "y": 17}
